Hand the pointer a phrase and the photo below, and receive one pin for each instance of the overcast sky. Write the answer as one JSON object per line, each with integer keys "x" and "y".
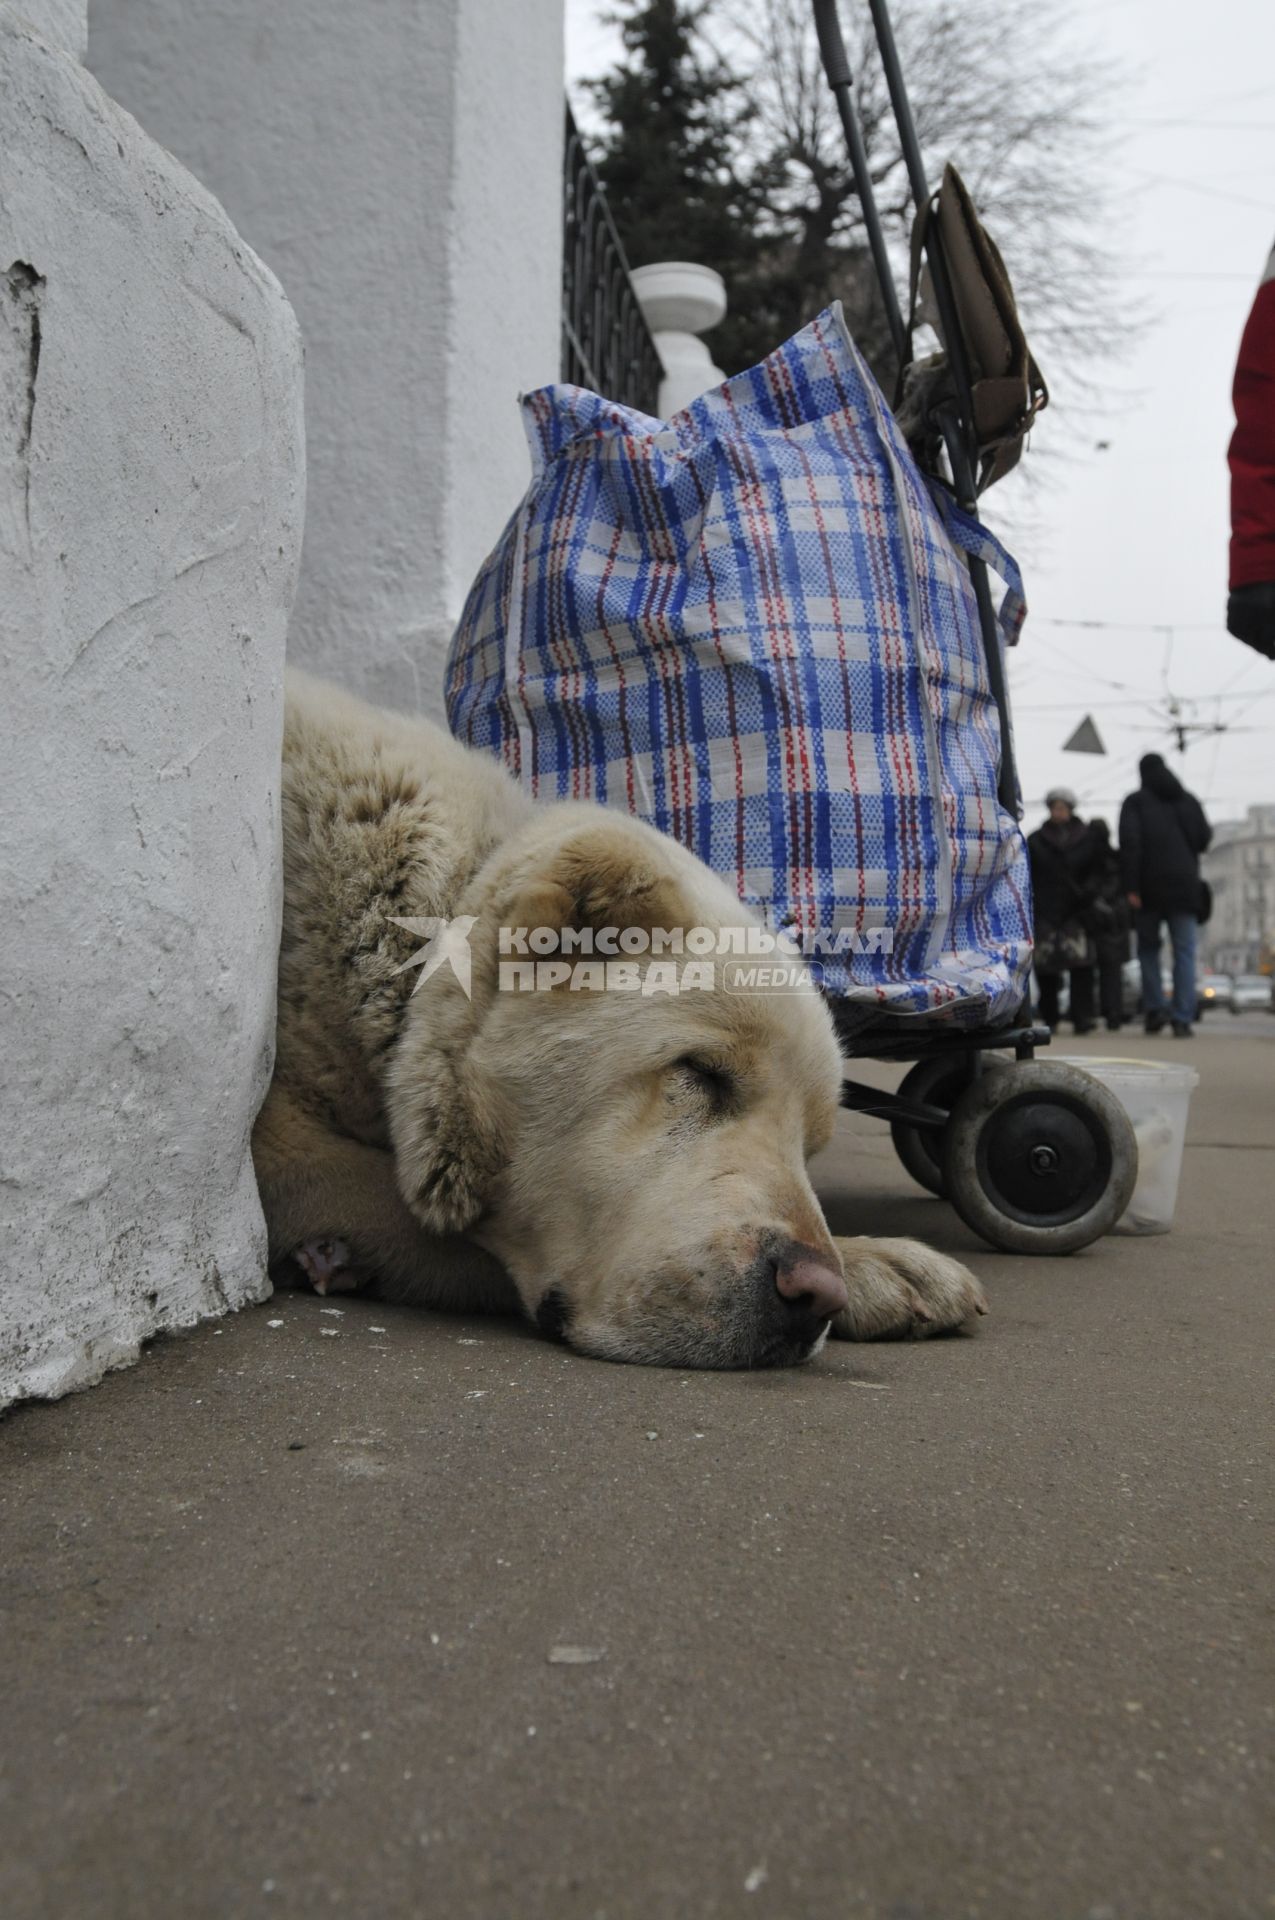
{"x": 1136, "y": 536}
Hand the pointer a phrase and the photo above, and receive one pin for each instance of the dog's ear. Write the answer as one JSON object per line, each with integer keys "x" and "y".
{"x": 447, "y": 1112}
{"x": 444, "y": 1126}
{"x": 602, "y": 875}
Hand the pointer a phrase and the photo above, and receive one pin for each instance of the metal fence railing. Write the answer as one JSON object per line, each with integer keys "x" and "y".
{"x": 606, "y": 343}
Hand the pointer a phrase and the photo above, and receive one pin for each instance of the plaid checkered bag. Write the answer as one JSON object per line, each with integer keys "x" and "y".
{"x": 753, "y": 626}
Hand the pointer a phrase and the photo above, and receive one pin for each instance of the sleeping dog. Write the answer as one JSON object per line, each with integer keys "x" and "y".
{"x": 477, "y": 1125}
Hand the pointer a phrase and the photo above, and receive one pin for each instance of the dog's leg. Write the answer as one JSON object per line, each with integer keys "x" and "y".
{"x": 334, "y": 1215}
{"x": 901, "y": 1290}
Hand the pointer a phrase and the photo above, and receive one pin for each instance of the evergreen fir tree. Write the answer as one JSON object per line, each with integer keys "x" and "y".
{"x": 666, "y": 157}
{"x": 675, "y": 164}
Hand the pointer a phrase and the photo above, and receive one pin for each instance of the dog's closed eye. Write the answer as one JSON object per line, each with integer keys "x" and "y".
{"x": 709, "y": 1079}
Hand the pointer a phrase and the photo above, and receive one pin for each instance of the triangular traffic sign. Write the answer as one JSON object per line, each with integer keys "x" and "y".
{"x": 1086, "y": 739}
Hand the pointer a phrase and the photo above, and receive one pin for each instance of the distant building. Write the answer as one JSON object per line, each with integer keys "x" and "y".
{"x": 1240, "y": 868}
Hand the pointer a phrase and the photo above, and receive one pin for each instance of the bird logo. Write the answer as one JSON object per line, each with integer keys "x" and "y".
{"x": 446, "y": 945}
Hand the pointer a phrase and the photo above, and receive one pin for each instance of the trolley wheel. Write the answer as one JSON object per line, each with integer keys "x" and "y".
{"x": 1039, "y": 1159}
{"x": 937, "y": 1082}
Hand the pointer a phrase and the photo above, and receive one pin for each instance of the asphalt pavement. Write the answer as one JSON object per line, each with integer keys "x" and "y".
{"x": 347, "y": 1609}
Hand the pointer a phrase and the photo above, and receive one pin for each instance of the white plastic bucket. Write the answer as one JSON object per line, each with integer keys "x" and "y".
{"x": 1156, "y": 1097}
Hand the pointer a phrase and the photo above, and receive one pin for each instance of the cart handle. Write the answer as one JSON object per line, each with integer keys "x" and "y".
{"x": 836, "y": 65}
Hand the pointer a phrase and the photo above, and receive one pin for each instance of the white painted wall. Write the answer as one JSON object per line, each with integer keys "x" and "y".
{"x": 399, "y": 164}
{"x": 151, "y": 489}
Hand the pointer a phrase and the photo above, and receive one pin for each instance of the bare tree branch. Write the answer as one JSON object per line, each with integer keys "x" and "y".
{"x": 999, "y": 86}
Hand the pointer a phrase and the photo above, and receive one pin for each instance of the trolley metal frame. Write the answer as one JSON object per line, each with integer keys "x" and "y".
{"x": 956, "y": 423}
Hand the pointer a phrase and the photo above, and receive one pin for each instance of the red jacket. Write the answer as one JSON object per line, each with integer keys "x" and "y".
{"x": 1252, "y": 450}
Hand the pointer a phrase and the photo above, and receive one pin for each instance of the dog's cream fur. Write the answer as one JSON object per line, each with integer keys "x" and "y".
{"x": 629, "y": 1169}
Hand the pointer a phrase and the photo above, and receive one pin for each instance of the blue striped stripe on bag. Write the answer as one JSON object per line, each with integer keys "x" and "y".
{"x": 753, "y": 626}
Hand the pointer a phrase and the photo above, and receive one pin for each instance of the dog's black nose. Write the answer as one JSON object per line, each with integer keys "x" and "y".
{"x": 807, "y": 1282}
{"x": 802, "y": 1293}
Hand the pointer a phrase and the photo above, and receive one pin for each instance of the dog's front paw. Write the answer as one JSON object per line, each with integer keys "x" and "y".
{"x": 901, "y": 1290}
{"x": 327, "y": 1266}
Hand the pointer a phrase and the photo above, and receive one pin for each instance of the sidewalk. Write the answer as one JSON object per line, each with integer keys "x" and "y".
{"x": 974, "y": 1628}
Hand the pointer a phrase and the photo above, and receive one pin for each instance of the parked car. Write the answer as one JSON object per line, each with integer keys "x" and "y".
{"x": 1213, "y": 990}
{"x": 1249, "y": 992}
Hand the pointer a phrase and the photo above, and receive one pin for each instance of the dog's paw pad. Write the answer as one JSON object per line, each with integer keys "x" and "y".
{"x": 326, "y": 1265}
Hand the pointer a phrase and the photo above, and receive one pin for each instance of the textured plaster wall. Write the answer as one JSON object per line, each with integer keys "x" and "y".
{"x": 399, "y": 164}
{"x": 151, "y": 489}
{"x": 63, "y": 23}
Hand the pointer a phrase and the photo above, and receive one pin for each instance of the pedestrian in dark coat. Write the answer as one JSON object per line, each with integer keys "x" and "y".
{"x": 1063, "y": 852}
{"x": 1163, "y": 832}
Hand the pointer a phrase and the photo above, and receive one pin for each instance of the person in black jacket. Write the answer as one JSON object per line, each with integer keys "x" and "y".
{"x": 1163, "y": 832}
{"x": 1064, "y": 854}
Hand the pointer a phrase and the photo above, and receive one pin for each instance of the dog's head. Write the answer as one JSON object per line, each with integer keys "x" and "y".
{"x": 634, "y": 1156}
